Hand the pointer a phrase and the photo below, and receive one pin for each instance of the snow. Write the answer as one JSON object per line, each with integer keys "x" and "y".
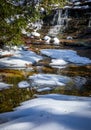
{"x": 42, "y": 9}
{"x": 47, "y": 39}
{"x": 48, "y": 80}
{"x": 69, "y": 56}
{"x": 4, "y": 85}
{"x": 44, "y": 89}
{"x": 53, "y": 111}
{"x": 80, "y": 60}
{"x": 81, "y": 7}
{"x": 69, "y": 38}
{"x": 20, "y": 58}
{"x": 23, "y": 84}
{"x": 77, "y": 3}
{"x": 66, "y": 7}
{"x": 24, "y": 31}
{"x": 56, "y": 41}
{"x": 38, "y": 25}
{"x": 3, "y": 53}
{"x": 36, "y": 34}
{"x": 58, "y": 62}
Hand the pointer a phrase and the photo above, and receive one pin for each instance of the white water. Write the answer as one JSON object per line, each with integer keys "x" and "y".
{"x": 59, "y": 22}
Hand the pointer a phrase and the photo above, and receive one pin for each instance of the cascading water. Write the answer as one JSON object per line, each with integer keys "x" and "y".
{"x": 59, "y": 22}
{"x": 89, "y": 23}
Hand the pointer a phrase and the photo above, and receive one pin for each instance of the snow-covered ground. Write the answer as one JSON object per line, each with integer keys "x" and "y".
{"x": 63, "y": 56}
{"x": 50, "y": 112}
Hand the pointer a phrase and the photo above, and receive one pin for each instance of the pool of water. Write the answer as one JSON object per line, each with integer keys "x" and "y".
{"x": 12, "y": 97}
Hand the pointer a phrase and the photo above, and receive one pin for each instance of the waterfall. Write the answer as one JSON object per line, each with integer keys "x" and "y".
{"x": 59, "y": 22}
{"x": 54, "y": 30}
{"x": 60, "y": 17}
{"x": 89, "y": 23}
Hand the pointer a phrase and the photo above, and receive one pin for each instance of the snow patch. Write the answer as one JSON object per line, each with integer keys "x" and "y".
{"x": 23, "y": 84}
{"x": 20, "y": 58}
{"x": 4, "y": 85}
{"x": 69, "y": 56}
{"x": 53, "y": 111}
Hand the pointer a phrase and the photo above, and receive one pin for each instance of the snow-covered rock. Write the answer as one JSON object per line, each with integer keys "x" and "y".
{"x": 47, "y": 39}
{"x": 23, "y": 84}
{"x": 23, "y": 31}
{"x": 58, "y": 63}
{"x": 56, "y": 41}
{"x": 36, "y": 34}
{"x": 69, "y": 38}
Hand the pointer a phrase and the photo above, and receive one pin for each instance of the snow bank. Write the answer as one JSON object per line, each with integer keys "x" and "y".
{"x": 53, "y": 111}
{"x": 66, "y": 55}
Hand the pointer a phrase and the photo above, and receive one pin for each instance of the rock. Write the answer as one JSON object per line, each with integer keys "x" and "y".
{"x": 23, "y": 84}
{"x": 56, "y": 41}
{"x": 69, "y": 38}
{"x": 36, "y": 34}
{"x": 47, "y": 39}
